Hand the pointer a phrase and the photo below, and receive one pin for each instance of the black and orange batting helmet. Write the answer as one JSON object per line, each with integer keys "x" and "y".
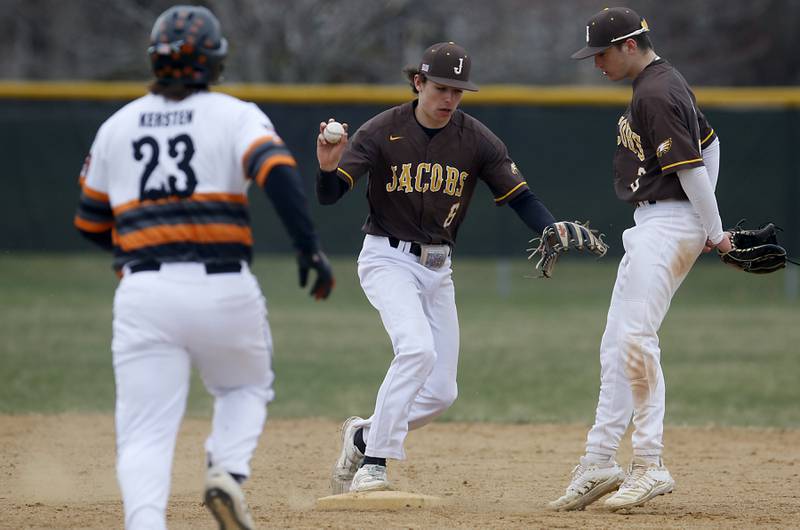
{"x": 187, "y": 46}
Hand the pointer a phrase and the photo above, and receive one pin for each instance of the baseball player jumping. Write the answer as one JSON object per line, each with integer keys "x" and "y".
{"x": 165, "y": 188}
{"x": 666, "y": 166}
{"x": 424, "y": 160}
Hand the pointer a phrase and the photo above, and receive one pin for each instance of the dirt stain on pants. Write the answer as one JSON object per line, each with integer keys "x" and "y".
{"x": 642, "y": 373}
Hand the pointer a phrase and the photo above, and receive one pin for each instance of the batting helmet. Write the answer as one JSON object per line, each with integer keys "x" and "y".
{"x": 187, "y": 46}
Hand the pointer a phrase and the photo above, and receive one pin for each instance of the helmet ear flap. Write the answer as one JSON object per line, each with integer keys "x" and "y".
{"x": 215, "y": 75}
{"x": 187, "y": 46}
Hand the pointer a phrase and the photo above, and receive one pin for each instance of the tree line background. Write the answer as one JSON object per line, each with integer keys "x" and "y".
{"x": 712, "y": 42}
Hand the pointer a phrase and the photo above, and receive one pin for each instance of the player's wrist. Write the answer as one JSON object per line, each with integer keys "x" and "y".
{"x": 716, "y": 239}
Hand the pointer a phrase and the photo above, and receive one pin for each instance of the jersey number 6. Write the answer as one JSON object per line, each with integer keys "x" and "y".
{"x": 170, "y": 189}
{"x": 451, "y": 215}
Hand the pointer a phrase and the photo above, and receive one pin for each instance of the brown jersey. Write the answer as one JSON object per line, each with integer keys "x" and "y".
{"x": 419, "y": 187}
{"x": 661, "y": 132}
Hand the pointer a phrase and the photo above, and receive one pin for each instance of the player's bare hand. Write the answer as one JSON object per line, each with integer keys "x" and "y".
{"x": 319, "y": 262}
{"x": 329, "y": 154}
{"x": 723, "y": 246}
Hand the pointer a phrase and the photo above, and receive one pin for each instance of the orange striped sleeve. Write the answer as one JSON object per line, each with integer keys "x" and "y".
{"x": 270, "y": 163}
{"x": 258, "y": 142}
{"x": 193, "y": 233}
{"x": 90, "y": 226}
{"x": 94, "y": 194}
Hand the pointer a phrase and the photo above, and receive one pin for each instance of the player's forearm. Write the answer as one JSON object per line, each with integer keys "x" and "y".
{"x": 711, "y": 161}
{"x": 286, "y": 194}
{"x": 697, "y": 185}
{"x": 330, "y": 188}
{"x": 532, "y": 211}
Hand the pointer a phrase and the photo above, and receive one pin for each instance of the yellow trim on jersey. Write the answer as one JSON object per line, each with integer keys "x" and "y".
{"x": 349, "y": 178}
{"x": 707, "y": 137}
{"x": 515, "y": 188}
{"x": 91, "y": 226}
{"x": 194, "y": 233}
{"x": 770, "y": 97}
{"x": 198, "y": 197}
{"x": 271, "y": 162}
{"x": 681, "y": 163}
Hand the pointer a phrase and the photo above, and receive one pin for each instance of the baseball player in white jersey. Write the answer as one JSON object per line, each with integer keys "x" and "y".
{"x": 666, "y": 166}
{"x": 165, "y": 188}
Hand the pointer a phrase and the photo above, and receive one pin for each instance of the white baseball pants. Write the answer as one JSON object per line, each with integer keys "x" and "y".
{"x": 659, "y": 252}
{"x": 418, "y": 309}
{"x": 165, "y": 321}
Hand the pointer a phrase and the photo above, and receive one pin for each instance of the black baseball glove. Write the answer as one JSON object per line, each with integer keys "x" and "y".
{"x": 561, "y": 236}
{"x": 755, "y": 250}
{"x": 319, "y": 262}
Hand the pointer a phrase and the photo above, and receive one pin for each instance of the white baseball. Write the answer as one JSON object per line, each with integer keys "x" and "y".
{"x": 333, "y": 132}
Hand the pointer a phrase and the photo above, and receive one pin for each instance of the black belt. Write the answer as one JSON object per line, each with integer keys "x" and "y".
{"x": 211, "y": 268}
{"x": 414, "y": 248}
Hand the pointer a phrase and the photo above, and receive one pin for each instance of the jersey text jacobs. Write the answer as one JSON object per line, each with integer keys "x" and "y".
{"x": 427, "y": 177}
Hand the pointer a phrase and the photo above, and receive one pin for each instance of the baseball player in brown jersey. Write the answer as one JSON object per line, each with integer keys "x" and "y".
{"x": 666, "y": 167}
{"x": 424, "y": 160}
{"x": 165, "y": 188}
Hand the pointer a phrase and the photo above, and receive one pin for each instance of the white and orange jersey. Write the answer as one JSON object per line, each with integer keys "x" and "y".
{"x": 170, "y": 178}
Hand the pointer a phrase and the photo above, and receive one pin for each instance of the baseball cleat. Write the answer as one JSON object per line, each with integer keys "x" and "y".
{"x": 350, "y": 458}
{"x": 590, "y": 481}
{"x": 370, "y": 477}
{"x": 225, "y": 499}
{"x": 644, "y": 481}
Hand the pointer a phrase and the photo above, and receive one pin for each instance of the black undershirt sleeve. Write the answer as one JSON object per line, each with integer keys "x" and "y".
{"x": 532, "y": 211}
{"x": 330, "y": 187}
{"x": 284, "y": 189}
{"x": 101, "y": 239}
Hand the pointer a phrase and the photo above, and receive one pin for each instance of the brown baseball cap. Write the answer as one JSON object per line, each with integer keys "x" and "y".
{"x": 609, "y": 26}
{"x": 448, "y": 64}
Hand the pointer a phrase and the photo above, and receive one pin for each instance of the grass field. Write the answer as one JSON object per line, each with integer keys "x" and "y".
{"x": 529, "y": 347}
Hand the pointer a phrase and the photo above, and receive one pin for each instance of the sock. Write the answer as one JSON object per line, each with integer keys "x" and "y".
{"x": 358, "y": 439}
{"x": 237, "y": 477}
{"x": 596, "y": 458}
{"x": 651, "y": 460}
{"x": 374, "y": 460}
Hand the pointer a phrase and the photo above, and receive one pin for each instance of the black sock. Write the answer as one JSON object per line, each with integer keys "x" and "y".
{"x": 358, "y": 439}
{"x": 237, "y": 477}
{"x": 374, "y": 460}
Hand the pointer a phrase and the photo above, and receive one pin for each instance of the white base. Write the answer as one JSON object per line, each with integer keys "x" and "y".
{"x": 377, "y": 500}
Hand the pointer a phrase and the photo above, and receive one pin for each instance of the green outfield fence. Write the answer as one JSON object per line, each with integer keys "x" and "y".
{"x": 562, "y": 138}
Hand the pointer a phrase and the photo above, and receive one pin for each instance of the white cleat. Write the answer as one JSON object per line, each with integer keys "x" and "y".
{"x": 225, "y": 499}
{"x": 590, "y": 481}
{"x": 350, "y": 458}
{"x": 370, "y": 477}
{"x": 644, "y": 481}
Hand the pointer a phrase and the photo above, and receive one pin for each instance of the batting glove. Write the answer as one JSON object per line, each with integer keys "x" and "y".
{"x": 319, "y": 262}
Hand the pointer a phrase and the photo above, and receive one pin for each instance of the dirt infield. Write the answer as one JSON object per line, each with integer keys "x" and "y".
{"x": 58, "y": 472}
